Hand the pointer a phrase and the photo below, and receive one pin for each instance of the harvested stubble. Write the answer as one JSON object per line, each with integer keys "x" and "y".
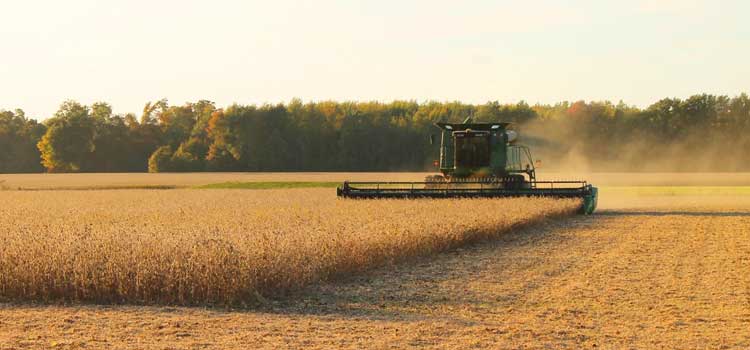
{"x": 192, "y": 247}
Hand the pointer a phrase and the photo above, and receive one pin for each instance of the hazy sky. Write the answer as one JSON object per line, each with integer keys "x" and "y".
{"x": 131, "y": 52}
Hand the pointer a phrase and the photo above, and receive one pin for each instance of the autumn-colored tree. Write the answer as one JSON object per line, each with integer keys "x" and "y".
{"x": 160, "y": 160}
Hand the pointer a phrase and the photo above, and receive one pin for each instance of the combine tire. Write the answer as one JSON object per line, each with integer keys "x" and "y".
{"x": 515, "y": 182}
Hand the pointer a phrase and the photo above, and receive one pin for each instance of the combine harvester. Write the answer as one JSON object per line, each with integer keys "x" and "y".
{"x": 478, "y": 160}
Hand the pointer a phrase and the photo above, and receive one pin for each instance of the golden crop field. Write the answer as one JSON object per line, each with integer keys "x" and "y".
{"x": 198, "y": 247}
{"x": 662, "y": 264}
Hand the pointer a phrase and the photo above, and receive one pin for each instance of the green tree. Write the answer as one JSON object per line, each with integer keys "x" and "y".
{"x": 68, "y": 144}
{"x": 18, "y": 139}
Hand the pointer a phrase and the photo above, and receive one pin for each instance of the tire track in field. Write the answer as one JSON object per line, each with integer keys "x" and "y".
{"x": 675, "y": 279}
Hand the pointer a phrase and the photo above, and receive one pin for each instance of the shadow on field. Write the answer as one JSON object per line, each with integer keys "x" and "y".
{"x": 672, "y": 213}
{"x": 432, "y": 288}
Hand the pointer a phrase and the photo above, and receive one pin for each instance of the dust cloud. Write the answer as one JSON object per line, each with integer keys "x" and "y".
{"x": 569, "y": 147}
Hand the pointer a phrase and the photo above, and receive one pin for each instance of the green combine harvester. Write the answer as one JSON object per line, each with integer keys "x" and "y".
{"x": 478, "y": 160}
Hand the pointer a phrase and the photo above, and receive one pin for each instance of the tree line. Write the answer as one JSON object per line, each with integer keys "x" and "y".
{"x": 701, "y": 133}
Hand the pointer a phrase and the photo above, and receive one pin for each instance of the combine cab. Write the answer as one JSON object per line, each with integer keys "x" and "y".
{"x": 480, "y": 160}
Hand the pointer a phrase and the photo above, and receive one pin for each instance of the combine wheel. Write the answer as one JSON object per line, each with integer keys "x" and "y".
{"x": 515, "y": 182}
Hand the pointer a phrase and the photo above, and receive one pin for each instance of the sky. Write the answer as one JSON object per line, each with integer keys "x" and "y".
{"x": 252, "y": 52}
